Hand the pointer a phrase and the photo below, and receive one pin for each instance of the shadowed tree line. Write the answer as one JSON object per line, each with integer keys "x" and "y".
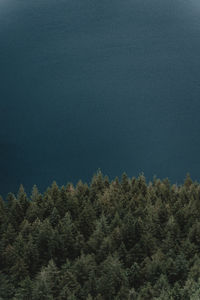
{"x": 120, "y": 239}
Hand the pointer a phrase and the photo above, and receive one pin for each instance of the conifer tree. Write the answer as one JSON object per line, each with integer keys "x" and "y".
{"x": 23, "y": 200}
{"x": 110, "y": 240}
{"x": 112, "y": 278}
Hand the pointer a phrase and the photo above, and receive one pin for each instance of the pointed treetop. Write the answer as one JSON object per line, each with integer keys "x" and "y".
{"x": 21, "y": 189}
{"x": 188, "y": 181}
{"x": 35, "y": 193}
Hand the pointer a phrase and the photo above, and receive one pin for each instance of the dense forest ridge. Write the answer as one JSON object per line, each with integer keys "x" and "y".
{"x": 120, "y": 239}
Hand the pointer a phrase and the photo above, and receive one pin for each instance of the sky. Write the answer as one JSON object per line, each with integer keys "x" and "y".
{"x": 98, "y": 84}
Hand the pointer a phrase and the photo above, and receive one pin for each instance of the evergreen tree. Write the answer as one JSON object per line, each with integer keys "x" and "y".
{"x": 111, "y": 240}
{"x": 112, "y": 278}
{"x": 86, "y": 222}
{"x": 68, "y": 284}
{"x": 23, "y": 200}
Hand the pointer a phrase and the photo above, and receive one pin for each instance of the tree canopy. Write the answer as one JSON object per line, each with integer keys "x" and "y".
{"x": 119, "y": 239}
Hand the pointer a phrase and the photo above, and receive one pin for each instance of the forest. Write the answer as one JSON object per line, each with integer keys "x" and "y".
{"x": 110, "y": 239}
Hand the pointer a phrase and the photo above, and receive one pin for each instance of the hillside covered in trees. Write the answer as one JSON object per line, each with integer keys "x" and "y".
{"x": 120, "y": 239}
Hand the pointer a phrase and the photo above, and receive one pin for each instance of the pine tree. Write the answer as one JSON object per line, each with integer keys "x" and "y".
{"x": 7, "y": 288}
{"x": 23, "y": 200}
{"x": 24, "y": 292}
{"x": 86, "y": 222}
{"x": 3, "y": 216}
{"x": 68, "y": 284}
{"x": 54, "y": 217}
{"x": 112, "y": 278}
{"x": 84, "y": 269}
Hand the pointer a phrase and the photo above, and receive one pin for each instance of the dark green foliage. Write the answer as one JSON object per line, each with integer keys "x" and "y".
{"x": 123, "y": 239}
{"x": 112, "y": 277}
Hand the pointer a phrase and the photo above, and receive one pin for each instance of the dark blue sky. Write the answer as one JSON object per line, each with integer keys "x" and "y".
{"x": 98, "y": 84}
